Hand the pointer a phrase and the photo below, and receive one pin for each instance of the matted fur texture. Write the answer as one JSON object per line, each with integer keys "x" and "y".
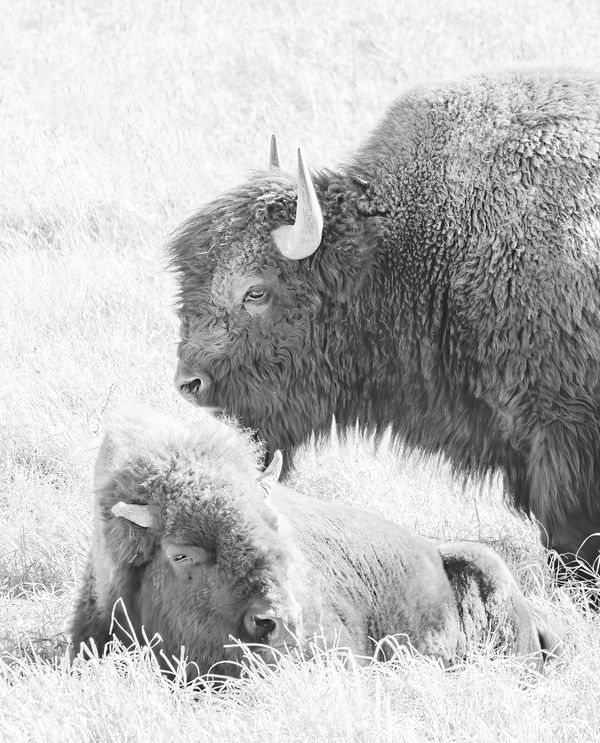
{"x": 277, "y": 568}
{"x": 454, "y": 297}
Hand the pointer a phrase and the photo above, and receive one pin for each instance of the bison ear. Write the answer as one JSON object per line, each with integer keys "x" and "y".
{"x": 273, "y": 154}
{"x": 269, "y": 477}
{"x": 142, "y": 515}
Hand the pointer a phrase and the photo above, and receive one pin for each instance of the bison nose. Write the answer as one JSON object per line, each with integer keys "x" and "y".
{"x": 193, "y": 386}
{"x": 262, "y": 626}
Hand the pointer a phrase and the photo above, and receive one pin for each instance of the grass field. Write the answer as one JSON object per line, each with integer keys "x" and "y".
{"x": 116, "y": 120}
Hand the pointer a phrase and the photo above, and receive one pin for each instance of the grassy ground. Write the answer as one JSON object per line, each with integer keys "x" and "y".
{"x": 116, "y": 120}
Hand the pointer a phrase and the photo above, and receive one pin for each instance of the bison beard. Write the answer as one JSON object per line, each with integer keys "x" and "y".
{"x": 454, "y": 295}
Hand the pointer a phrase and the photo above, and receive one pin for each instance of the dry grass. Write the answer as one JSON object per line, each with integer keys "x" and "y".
{"x": 117, "y": 119}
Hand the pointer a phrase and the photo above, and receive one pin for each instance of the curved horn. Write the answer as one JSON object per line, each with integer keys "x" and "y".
{"x": 302, "y": 239}
{"x": 142, "y": 515}
{"x": 269, "y": 477}
{"x": 273, "y": 154}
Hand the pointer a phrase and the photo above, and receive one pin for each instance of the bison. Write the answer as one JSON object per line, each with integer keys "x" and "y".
{"x": 200, "y": 548}
{"x": 443, "y": 282}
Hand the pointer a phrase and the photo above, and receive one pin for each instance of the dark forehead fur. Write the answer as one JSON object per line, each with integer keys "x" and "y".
{"x": 265, "y": 200}
{"x": 234, "y": 230}
{"x": 229, "y": 229}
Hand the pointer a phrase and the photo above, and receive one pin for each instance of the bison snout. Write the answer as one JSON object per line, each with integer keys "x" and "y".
{"x": 264, "y": 625}
{"x": 193, "y": 386}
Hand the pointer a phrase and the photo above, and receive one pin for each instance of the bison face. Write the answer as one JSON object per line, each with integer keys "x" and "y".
{"x": 262, "y": 319}
{"x": 192, "y": 600}
{"x": 244, "y": 332}
{"x": 196, "y": 550}
{"x": 246, "y": 327}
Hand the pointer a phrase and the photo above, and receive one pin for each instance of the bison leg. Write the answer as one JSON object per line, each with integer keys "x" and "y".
{"x": 89, "y": 622}
{"x": 491, "y": 605}
{"x": 577, "y": 542}
{"x": 558, "y": 482}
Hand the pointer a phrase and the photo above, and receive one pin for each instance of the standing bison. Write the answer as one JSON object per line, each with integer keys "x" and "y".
{"x": 444, "y": 282}
{"x": 200, "y": 548}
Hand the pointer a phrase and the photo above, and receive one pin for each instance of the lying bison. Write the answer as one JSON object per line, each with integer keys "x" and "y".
{"x": 201, "y": 548}
{"x": 444, "y": 282}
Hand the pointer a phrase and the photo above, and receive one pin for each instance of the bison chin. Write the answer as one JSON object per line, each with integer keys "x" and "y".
{"x": 234, "y": 659}
{"x": 264, "y": 633}
{"x": 281, "y": 405}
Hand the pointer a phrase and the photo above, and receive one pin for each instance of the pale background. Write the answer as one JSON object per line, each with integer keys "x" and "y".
{"x": 117, "y": 119}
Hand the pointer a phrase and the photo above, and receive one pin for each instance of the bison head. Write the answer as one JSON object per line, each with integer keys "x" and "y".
{"x": 196, "y": 551}
{"x": 269, "y": 278}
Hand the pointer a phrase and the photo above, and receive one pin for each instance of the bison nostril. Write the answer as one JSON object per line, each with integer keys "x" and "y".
{"x": 261, "y": 627}
{"x": 192, "y": 385}
{"x": 267, "y": 626}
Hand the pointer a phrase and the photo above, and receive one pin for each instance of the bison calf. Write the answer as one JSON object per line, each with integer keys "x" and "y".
{"x": 202, "y": 548}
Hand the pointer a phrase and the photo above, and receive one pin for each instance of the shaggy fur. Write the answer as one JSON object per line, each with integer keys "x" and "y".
{"x": 455, "y": 296}
{"x": 320, "y": 568}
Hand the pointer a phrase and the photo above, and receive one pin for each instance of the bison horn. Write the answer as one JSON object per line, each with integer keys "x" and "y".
{"x": 269, "y": 477}
{"x": 302, "y": 239}
{"x": 142, "y": 515}
{"x": 273, "y": 154}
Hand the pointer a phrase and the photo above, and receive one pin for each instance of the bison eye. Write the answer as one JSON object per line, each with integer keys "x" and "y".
{"x": 254, "y": 295}
{"x": 187, "y": 554}
{"x": 180, "y": 558}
